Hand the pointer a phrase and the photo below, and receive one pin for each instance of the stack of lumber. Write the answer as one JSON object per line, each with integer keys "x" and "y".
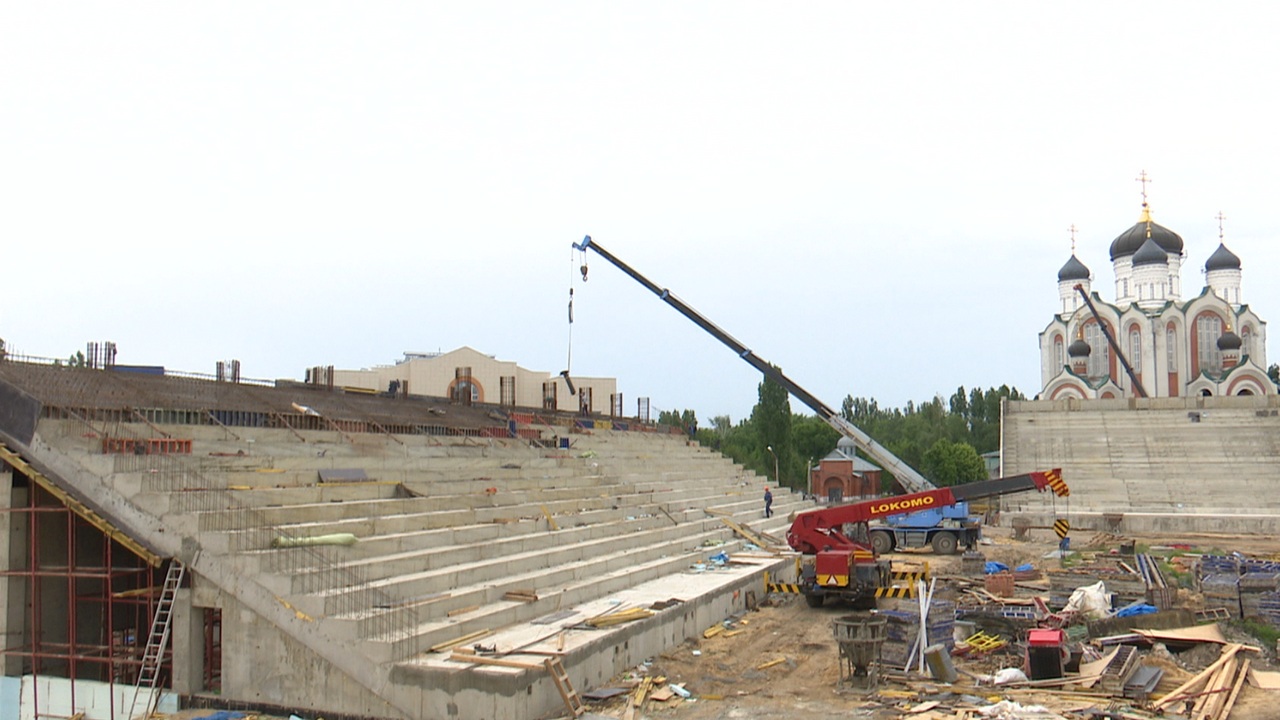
{"x": 619, "y": 617}
{"x": 1213, "y": 691}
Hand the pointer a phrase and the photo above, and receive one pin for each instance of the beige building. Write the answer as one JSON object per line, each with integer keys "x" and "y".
{"x": 465, "y": 371}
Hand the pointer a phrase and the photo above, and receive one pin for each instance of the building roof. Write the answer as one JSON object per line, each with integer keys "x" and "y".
{"x": 1129, "y": 241}
{"x": 1073, "y": 270}
{"x": 847, "y": 450}
{"x": 1150, "y": 254}
{"x": 1222, "y": 259}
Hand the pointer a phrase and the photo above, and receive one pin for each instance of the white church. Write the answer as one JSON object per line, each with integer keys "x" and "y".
{"x": 1209, "y": 344}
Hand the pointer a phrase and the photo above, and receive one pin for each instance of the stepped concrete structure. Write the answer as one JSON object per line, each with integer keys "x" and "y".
{"x": 342, "y": 549}
{"x": 1151, "y": 465}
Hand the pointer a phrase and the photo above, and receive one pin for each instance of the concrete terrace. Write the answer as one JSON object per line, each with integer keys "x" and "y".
{"x": 1163, "y": 464}
{"x": 449, "y": 513}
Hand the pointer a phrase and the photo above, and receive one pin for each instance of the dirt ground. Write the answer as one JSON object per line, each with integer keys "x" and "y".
{"x": 734, "y": 674}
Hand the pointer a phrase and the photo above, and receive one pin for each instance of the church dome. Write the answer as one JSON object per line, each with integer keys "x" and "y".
{"x": 1079, "y": 348}
{"x": 1131, "y": 240}
{"x": 1150, "y": 254}
{"x": 1073, "y": 270}
{"x": 1222, "y": 259}
{"x": 1229, "y": 341}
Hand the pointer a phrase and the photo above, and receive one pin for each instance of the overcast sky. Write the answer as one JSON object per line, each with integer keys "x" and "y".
{"x": 875, "y": 197}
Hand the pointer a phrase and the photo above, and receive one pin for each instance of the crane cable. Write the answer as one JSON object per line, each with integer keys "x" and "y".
{"x": 568, "y": 363}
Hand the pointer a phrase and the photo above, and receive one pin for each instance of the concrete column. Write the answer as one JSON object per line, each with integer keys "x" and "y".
{"x": 187, "y": 635}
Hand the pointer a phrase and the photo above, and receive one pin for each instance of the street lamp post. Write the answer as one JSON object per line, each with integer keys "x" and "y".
{"x": 776, "y": 480}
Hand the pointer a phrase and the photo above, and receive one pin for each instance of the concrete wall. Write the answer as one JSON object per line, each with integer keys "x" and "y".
{"x": 1163, "y": 465}
{"x": 262, "y": 664}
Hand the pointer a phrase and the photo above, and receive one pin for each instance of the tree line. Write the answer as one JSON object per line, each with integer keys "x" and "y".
{"x": 943, "y": 439}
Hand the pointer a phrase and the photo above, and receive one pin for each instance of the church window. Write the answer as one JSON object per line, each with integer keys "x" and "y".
{"x": 1171, "y": 348}
{"x": 1135, "y": 349}
{"x": 1246, "y": 341}
{"x": 1099, "y": 351}
{"x": 1057, "y": 352}
{"x": 1124, "y": 284}
{"x": 1208, "y": 330}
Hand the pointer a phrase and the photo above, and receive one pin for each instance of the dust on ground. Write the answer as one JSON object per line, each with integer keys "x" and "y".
{"x": 782, "y": 659}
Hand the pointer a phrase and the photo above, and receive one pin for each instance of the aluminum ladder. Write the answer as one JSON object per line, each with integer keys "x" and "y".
{"x": 157, "y": 641}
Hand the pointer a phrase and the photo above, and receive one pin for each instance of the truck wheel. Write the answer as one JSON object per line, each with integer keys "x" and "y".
{"x": 944, "y": 543}
{"x": 881, "y": 542}
{"x": 813, "y": 600}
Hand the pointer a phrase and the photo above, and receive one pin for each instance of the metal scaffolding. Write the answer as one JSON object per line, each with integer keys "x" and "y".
{"x": 89, "y": 601}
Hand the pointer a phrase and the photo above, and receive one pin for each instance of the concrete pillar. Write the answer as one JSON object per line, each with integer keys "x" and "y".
{"x": 187, "y": 635}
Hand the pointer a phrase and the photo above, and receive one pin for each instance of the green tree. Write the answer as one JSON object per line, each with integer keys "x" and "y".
{"x": 951, "y": 463}
{"x": 1273, "y": 372}
{"x": 771, "y": 419}
{"x": 686, "y": 420}
{"x": 813, "y": 439}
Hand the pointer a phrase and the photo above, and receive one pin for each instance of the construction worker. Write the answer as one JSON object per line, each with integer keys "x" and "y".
{"x": 768, "y": 503}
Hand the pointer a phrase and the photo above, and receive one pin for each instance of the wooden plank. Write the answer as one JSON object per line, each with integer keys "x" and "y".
{"x": 755, "y": 540}
{"x": 1235, "y": 691}
{"x": 771, "y": 663}
{"x": 500, "y": 662}
{"x": 463, "y": 610}
{"x": 1203, "y": 706}
{"x": 449, "y": 644}
{"x": 551, "y": 522}
{"x": 1194, "y": 684}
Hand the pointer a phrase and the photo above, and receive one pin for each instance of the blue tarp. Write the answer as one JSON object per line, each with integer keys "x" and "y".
{"x": 1132, "y": 610}
{"x": 992, "y": 567}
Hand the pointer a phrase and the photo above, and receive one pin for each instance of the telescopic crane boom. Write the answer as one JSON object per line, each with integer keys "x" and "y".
{"x": 1138, "y": 389}
{"x": 910, "y": 480}
{"x": 841, "y": 566}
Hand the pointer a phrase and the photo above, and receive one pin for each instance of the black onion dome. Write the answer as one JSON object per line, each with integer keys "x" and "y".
{"x": 1079, "y": 348}
{"x": 1229, "y": 341}
{"x": 1132, "y": 239}
{"x": 1150, "y": 254}
{"x": 1073, "y": 270}
{"x": 1222, "y": 259}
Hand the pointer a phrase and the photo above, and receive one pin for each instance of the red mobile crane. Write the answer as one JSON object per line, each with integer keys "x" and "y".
{"x": 847, "y": 568}
{"x": 843, "y": 567}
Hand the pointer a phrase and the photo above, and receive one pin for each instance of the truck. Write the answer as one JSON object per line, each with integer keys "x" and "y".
{"x": 847, "y": 567}
{"x": 944, "y": 529}
{"x": 839, "y": 564}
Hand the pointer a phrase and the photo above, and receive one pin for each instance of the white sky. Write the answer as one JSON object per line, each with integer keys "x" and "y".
{"x": 875, "y": 197}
